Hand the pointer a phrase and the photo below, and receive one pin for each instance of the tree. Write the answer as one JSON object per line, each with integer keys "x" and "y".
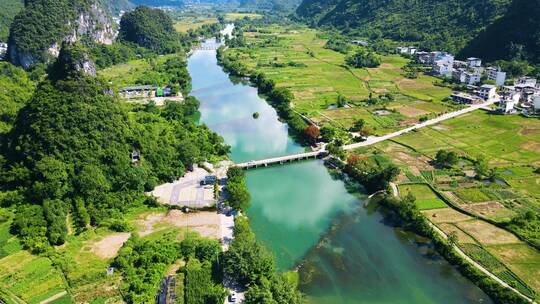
{"x": 446, "y": 158}
{"x": 312, "y": 132}
{"x": 336, "y": 150}
{"x": 247, "y": 261}
{"x": 363, "y": 59}
{"x": 481, "y": 167}
{"x": 453, "y": 238}
{"x": 358, "y": 125}
{"x": 149, "y": 28}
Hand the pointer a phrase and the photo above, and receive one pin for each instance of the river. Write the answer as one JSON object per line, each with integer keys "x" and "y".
{"x": 349, "y": 254}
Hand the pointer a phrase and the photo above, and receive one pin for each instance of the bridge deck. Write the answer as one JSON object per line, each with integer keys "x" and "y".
{"x": 281, "y": 159}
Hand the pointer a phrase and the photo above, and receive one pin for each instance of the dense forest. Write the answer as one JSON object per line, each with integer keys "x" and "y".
{"x": 149, "y": 28}
{"x": 492, "y": 29}
{"x": 69, "y": 152}
{"x": 8, "y": 10}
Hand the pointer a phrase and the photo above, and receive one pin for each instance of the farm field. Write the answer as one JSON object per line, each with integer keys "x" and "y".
{"x": 425, "y": 197}
{"x": 235, "y": 16}
{"x": 496, "y": 249}
{"x": 131, "y": 73}
{"x": 186, "y": 24}
{"x": 295, "y": 57}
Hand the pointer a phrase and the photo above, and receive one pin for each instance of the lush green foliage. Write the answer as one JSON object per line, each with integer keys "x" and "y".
{"x": 238, "y": 196}
{"x": 528, "y": 226}
{"x": 446, "y": 158}
{"x": 249, "y": 263}
{"x": 150, "y": 28}
{"x": 363, "y": 59}
{"x": 202, "y": 287}
{"x": 69, "y": 152}
{"x": 41, "y": 24}
{"x": 8, "y": 10}
{"x": 373, "y": 173}
{"x": 143, "y": 264}
{"x": 338, "y": 44}
{"x": 490, "y": 29}
{"x": 15, "y": 89}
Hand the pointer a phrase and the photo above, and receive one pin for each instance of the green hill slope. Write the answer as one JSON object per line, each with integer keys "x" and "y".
{"x": 8, "y": 10}
{"x": 452, "y": 25}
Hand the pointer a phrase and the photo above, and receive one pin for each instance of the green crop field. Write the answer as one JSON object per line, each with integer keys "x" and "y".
{"x": 187, "y": 24}
{"x": 504, "y": 140}
{"x": 425, "y": 197}
{"x": 295, "y": 58}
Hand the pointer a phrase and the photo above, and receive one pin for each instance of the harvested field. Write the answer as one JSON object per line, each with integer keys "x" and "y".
{"x": 462, "y": 236}
{"x": 446, "y": 215}
{"x": 486, "y": 233}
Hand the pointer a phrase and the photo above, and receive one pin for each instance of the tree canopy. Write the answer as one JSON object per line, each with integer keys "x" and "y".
{"x": 150, "y": 28}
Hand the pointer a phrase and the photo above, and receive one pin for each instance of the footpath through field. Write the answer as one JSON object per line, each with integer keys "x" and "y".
{"x": 377, "y": 139}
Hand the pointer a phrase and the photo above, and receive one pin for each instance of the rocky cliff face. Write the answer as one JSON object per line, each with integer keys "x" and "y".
{"x": 92, "y": 21}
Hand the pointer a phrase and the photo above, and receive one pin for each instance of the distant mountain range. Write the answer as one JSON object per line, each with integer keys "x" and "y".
{"x": 492, "y": 29}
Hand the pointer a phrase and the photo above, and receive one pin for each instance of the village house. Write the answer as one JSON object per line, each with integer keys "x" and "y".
{"x": 465, "y": 98}
{"x": 423, "y": 57}
{"x": 509, "y": 100}
{"x": 409, "y": 50}
{"x": 3, "y": 50}
{"x": 144, "y": 91}
{"x": 495, "y": 74}
{"x": 487, "y": 92}
{"x": 536, "y": 102}
{"x": 473, "y": 62}
{"x": 464, "y": 75}
{"x": 359, "y": 42}
{"x": 525, "y": 81}
{"x": 443, "y": 63}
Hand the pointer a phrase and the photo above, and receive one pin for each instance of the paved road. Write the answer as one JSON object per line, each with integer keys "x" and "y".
{"x": 377, "y": 139}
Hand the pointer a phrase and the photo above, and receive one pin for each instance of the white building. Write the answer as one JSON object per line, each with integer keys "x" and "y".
{"x": 509, "y": 99}
{"x": 496, "y": 75}
{"x": 443, "y": 63}
{"x": 473, "y": 62}
{"x": 409, "y": 50}
{"x": 536, "y": 102}
{"x": 525, "y": 81}
{"x": 423, "y": 57}
{"x": 487, "y": 92}
{"x": 465, "y": 76}
{"x": 3, "y": 50}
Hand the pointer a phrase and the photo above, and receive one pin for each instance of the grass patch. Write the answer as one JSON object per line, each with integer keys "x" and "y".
{"x": 184, "y": 25}
{"x": 322, "y": 76}
{"x": 425, "y": 197}
{"x": 472, "y": 195}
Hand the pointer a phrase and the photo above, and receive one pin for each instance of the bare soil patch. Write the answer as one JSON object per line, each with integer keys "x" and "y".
{"x": 411, "y": 111}
{"x": 108, "y": 247}
{"x": 486, "y": 233}
{"x": 488, "y": 209}
{"x": 206, "y": 223}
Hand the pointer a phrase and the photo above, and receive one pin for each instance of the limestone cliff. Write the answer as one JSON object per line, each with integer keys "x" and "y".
{"x": 39, "y": 30}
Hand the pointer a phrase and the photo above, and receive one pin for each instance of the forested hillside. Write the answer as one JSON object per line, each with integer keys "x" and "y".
{"x": 8, "y": 10}
{"x": 444, "y": 24}
{"x": 38, "y": 30}
{"x": 69, "y": 149}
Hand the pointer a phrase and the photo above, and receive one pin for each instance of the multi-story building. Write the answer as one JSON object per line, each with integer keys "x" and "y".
{"x": 473, "y": 62}
{"x": 487, "y": 92}
{"x": 496, "y": 75}
{"x": 465, "y": 98}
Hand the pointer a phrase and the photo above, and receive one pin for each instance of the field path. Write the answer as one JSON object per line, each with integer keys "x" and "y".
{"x": 377, "y": 139}
{"x": 477, "y": 265}
{"x": 55, "y": 297}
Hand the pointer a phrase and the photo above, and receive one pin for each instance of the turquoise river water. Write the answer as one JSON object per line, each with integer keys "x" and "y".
{"x": 346, "y": 251}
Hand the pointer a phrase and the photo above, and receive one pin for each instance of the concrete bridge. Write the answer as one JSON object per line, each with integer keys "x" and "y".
{"x": 282, "y": 159}
{"x": 370, "y": 141}
{"x": 212, "y": 47}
